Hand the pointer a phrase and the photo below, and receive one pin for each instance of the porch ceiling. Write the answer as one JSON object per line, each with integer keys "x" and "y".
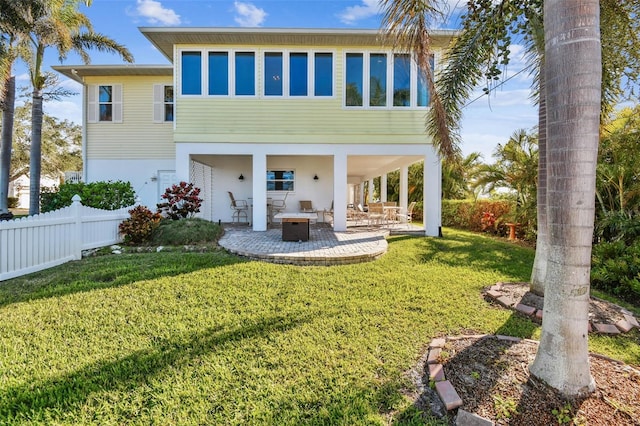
{"x": 369, "y": 166}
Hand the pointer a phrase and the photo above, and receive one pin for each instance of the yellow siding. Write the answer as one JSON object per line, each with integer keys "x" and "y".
{"x": 291, "y": 120}
{"x": 137, "y": 136}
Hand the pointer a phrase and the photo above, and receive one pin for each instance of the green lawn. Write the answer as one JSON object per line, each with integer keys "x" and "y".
{"x": 209, "y": 338}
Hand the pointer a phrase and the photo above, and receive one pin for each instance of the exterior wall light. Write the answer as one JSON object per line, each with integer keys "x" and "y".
{"x": 241, "y": 178}
{"x": 316, "y": 178}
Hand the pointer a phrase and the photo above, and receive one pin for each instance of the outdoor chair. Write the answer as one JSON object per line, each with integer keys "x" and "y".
{"x": 375, "y": 214}
{"x": 278, "y": 206}
{"x": 407, "y": 217}
{"x": 307, "y": 207}
{"x": 359, "y": 214}
{"x": 328, "y": 213}
{"x": 240, "y": 208}
{"x": 391, "y": 211}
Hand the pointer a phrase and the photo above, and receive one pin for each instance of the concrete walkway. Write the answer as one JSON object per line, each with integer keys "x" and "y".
{"x": 325, "y": 247}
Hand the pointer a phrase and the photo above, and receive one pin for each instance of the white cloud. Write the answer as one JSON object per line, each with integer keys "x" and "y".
{"x": 68, "y": 109}
{"x": 155, "y": 13}
{"x": 367, "y": 9}
{"x": 248, "y": 15}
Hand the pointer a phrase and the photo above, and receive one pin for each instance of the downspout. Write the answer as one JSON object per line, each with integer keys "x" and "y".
{"x": 85, "y": 105}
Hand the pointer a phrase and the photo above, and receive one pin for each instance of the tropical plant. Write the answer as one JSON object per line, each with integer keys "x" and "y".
{"x": 62, "y": 26}
{"x": 100, "y": 195}
{"x": 182, "y": 201}
{"x": 618, "y": 183}
{"x": 460, "y": 177}
{"x": 140, "y": 225}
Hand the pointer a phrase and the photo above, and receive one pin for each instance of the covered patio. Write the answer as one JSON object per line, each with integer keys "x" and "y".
{"x": 332, "y": 177}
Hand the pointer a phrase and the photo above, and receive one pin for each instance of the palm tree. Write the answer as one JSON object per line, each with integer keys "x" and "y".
{"x": 460, "y": 177}
{"x": 573, "y": 78}
{"x": 61, "y": 26}
{"x": 12, "y": 30}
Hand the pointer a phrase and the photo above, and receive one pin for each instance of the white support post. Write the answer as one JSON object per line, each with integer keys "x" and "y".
{"x": 383, "y": 188}
{"x": 372, "y": 187}
{"x": 340, "y": 192}
{"x": 259, "y": 192}
{"x": 183, "y": 164}
{"x": 432, "y": 200}
{"x": 361, "y": 193}
{"x": 404, "y": 188}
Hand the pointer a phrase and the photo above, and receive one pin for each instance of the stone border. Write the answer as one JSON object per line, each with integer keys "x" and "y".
{"x": 628, "y": 322}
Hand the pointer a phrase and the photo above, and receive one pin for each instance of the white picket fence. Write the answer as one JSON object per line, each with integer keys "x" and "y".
{"x": 39, "y": 242}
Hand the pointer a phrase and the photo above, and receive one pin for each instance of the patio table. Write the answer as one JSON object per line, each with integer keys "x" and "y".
{"x": 295, "y": 226}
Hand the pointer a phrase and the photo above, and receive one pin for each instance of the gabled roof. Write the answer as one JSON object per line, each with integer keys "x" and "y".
{"x": 164, "y": 38}
{"x": 77, "y": 72}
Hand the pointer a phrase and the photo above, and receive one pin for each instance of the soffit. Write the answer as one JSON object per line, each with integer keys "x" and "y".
{"x": 164, "y": 38}
{"x": 78, "y": 72}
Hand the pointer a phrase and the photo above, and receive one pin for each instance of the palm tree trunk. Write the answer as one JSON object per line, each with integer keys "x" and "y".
{"x": 573, "y": 77}
{"x": 35, "y": 161}
{"x": 539, "y": 271}
{"x": 8, "y": 106}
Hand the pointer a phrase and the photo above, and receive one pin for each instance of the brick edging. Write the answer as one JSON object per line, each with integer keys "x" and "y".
{"x": 626, "y": 324}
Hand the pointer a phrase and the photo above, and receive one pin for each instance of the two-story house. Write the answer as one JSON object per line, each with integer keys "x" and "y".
{"x": 310, "y": 113}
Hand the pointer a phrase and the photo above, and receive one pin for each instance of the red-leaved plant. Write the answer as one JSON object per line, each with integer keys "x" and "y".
{"x": 182, "y": 200}
{"x": 140, "y": 225}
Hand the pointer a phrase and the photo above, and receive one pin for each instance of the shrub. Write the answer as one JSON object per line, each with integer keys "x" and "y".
{"x": 182, "y": 201}
{"x": 139, "y": 227}
{"x": 110, "y": 195}
{"x": 13, "y": 202}
{"x": 481, "y": 215}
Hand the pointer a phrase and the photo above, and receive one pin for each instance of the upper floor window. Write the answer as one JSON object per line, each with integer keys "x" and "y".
{"x": 104, "y": 103}
{"x": 235, "y": 73}
{"x": 245, "y": 75}
{"x": 219, "y": 73}
{"x": 191, "y": 76}
{"x": 105, "y": 106}
{"x": 323, "y": 74}
{"x": 392, "y": 80}
{"x": 354, "y": 79}
{"x": 163, "y": 101}
{"x": 273, "y": 74}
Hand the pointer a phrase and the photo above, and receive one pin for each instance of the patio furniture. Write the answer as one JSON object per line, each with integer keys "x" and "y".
{"x": 278, "y": 206}
{"x": 391, "y": 211}
{"x": 375, "y": 214}
{"x": 326, "y": 213}
{"x": 407, "y": 217}
{"x": 307, "y": 207}
{"x": 359, "y": 214}
{"x": 295, "y": 226}
{"x": 239, "y": 207}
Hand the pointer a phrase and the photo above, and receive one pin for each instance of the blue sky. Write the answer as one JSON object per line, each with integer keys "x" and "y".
{"x": 487, "y": 121}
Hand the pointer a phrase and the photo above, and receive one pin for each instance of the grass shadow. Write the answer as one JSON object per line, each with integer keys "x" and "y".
{"x": 108, "y": 271}
{"x": 50, "y": 398}
{"x": 463, "y": 249}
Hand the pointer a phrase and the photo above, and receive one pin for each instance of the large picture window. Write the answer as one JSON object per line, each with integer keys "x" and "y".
{"x": 298, "y": 74}
{"x": 191, "y": 73}
{"x": 218, "y": 73}
{"x": 323, "y": 74}
{"x": 245, "y": 74}
{"x": 354, "y": 88}
{"x": 273, "y": 74}
{"x": 384, "y": 80}
{"x": 280, "y": 180}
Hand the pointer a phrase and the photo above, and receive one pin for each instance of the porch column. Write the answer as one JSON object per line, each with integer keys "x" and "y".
{"x": 183, "y": 164}
{"x": 432, "y": 193}
{"x": 383, "y": 188}
{"x": 372, "y": 187}
{"x": 360, "y": 193}
{"x": 340, "y": 192}
{"x": 404, "y": 188}
{"x": 259, "y": 192}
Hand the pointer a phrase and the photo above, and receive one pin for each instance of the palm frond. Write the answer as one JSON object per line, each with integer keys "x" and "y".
{"x": 102, "y": 43}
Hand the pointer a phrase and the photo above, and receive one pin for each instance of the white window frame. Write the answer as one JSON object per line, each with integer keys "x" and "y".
{"x": 93, "y": 103}
{"x": 159, "y": 103}
{"x": 366, "y": 89}
{"x": 281, "y": 169}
